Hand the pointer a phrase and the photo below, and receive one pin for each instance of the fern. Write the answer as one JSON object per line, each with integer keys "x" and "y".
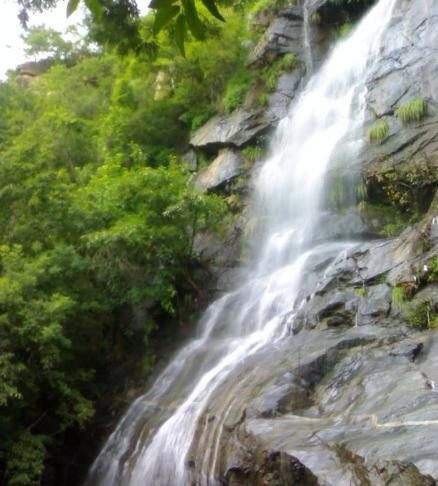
{"x": 252, "y": 153}
{"x": 412, "y": 111}
{"x": 379, "y": 131}
{"x": 398, "y": 298}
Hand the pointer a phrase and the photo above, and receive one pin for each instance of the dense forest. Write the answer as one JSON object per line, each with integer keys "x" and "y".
{"x": 98, "y": 218}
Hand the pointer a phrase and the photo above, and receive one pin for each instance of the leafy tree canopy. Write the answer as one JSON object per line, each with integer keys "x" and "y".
{"x": 117, "y": 21}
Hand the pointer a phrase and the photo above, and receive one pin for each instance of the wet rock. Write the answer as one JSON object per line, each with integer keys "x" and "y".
{"x": 225, "y": 167}
{"x": 287, "y": 88}
{"x": 410, "y": 349}
{"x": 236, "y": 129}
{"x": 376, "y": 303}
{"x": 290, "y": 392}
{"x": 371, "y": 407}
{"x": 346, "y": 224}
{"x": 284, "y": 35}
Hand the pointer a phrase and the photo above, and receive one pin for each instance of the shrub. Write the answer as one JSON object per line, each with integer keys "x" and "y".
{"x": 432, "y": 274}
{"x": 269, "y": 6}
{"x": 263, "y": 99}
{"x": 412, "y": 111}
{"x": 236, "y": 90}
{"x": 378, "y": 131}
{"x": 344, "y": 30}
{"x": 253, "y": 153}
{"x": 270, "y": 75}
{"x": 288, "y": 62}
{"x": 361, "y": 292}
{"x": 25, "y": 461}
{"x": 398, "y": 298}
{"x": 361, "y": 191}
{"x": 422, "y": 315}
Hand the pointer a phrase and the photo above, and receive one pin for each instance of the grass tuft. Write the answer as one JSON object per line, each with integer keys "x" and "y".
{"x": 398, "y": 298}
{"x": 412, "y": 111}
{"x": 379, "y": 131}
{"x": 253, "y": 153}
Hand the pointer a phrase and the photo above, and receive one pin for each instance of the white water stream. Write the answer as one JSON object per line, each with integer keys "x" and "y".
{"x": 152, "y": 442}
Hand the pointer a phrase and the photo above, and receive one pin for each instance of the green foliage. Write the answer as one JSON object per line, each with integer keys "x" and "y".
{"x": 404, "y": 186}
{"x": 362, "y": 292}
{"x": 25, "y": 460}
{"x": 386, "y": 219}
{"x": 97, "y": 225}
{"x": 337, "y": 190}
{"x": 412, "y": 111}
{"x": 398, "y": 298}
{"x": 41, "y": 42}
{"x": 432, "y": 272}
{"x": 252, "y": 153}
{"x": 422, "y": 315}
{"x": 344, "y": 30}
{"x": 182, "y": 16}
{"x": 379, "y": 131}
{"x": 361, "y": 191}
{"x": 270, "y": 75}
{"x": 269, "y": 6}
{"x": 144, "y": 221}
{"x": 263, "y": 99}
{"x": 236, "y": 90}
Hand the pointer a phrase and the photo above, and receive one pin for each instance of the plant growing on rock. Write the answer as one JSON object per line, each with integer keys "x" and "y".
{"x": 432, "y": 270}
{"x": 270, "y": 75}
{"x": 379, "y": 131}
{"x": 422, "y": 315}
{"x": 412, "y": 111}
{"x": 253, "y": 153}
{"x": 405, "y": 187}
{"x": 236, "y": 90}
{"x": 263, "y": 99}
{"x": 398, "y": 300}
{"x": 268, "y": 6}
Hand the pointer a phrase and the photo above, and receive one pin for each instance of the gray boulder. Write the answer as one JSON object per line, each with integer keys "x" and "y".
{"x": 234, "y": 130}
{"x": 225, "y": 167}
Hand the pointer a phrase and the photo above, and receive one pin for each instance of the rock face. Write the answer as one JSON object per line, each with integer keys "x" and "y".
{"x": 407, "y": 70}
{"x": 284, "y": 35}
{"x": 350, "y": 396}
{"x": 230, "y": 130}
{"x": 225, "y": 167}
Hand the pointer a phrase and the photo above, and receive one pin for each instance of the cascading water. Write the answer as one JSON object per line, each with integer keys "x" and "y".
{"x": 167, "y": 436}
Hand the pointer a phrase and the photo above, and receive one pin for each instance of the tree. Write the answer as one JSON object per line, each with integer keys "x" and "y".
{"x": 42, "y": 42}
{"x": 117, "y": 20}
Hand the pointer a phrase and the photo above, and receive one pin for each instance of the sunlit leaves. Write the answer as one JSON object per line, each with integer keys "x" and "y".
{"x": 72, "y": 6}
{"x": 164, "y": 16}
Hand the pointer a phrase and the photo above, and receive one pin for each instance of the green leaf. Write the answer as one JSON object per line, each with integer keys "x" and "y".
{"x": 72, "y": 6}
{"x": 163, "y": 17}
{"x": 180, "y": 33}
{"x": 212, "y": 8}
{"x": 95, "y": 7}
{"x": 158, "y": 4}
{"x": 195, "y": 25}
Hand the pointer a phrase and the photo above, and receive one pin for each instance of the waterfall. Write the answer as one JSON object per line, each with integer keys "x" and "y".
{"x": 169, "y": 435}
